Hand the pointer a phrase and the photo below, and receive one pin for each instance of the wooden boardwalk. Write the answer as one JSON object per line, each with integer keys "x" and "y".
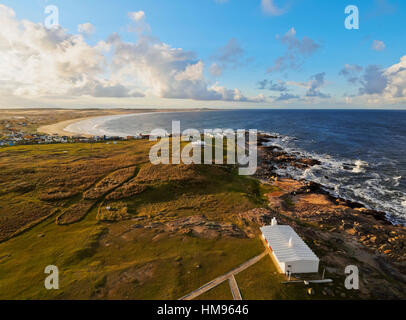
{"x": 234, "y": 288}
{"x": 214, "y": 283}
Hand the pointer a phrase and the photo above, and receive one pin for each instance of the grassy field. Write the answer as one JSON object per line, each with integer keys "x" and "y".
{"x": 127, "y": 259}
{"x": 118, "y": 227}
{"x": 263, "y": 282}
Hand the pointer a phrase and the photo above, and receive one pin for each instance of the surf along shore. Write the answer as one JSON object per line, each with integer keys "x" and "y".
{"x": 60, "y": 128}
{"x": 344, "y": 232}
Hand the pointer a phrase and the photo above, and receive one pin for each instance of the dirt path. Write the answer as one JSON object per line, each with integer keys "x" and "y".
{"x": 208, "y": 286}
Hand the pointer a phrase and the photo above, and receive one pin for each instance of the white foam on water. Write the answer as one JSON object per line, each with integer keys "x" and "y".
{"x": 359, "y": 166}
{"x": 396, "y": 181}
{"x": 349, "y": 179}
{"x": 97, "y": 126}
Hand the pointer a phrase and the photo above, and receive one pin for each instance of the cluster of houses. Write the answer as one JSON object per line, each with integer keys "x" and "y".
{"x": 20, "y": 138}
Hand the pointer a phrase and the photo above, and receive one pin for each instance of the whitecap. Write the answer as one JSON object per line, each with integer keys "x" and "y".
{"x": 396, "y": 181}
{"x": 359, "y": 166}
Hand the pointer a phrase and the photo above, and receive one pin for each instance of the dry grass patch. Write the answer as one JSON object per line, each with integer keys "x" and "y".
{"x": 109, "y": 183}
{"x": 75, "y": 212}
{"x": 169, "y": 172}
{"x": 116, "y": 212}
{"x": 20, "y": 213}
{"x": 127, "y": 190}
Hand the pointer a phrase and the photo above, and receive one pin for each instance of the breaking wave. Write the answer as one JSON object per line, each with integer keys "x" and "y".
{"x": 351, "y": 179}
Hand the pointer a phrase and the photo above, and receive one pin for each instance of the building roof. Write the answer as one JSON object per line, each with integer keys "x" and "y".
{"x": 286, "y": 244}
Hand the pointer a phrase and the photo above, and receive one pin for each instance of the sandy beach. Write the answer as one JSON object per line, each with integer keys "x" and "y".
{"x": 73, "y": 127}
{"x": 59, "y": 128}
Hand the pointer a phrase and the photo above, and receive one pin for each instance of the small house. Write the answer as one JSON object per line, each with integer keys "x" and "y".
{"x": 288, "y": 250}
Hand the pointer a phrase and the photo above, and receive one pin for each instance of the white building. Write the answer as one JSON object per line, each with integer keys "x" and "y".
{"x": 289, "y": 251}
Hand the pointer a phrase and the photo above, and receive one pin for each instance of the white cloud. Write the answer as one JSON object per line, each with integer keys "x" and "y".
{"x": 41, "y": 61}
{"x": 316, "y": 82}
{"x": 139, "y": 18}
{"x": 167, "y": 72}
{"x": 378, "y": 45}
{"x": 297, "y": 50}
{"x": 231, "y": 55}
{"x": 380, "y": 85}
{"x": 351, "y": 72}
{"x": 269, "y": 7}
{"x": 215, "y": 70}
{"x": 86, "y": 28}
{"x": 137, "y": 15}
{"x": 396, "y": 75}
{"x": 38, "y": 62}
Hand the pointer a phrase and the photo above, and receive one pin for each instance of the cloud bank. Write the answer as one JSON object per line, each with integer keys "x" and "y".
{"x": 37, "y": 61}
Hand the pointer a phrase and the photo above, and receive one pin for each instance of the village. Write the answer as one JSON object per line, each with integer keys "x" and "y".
{"x": 21, "y": 138}
{"x": 12, "y": 136}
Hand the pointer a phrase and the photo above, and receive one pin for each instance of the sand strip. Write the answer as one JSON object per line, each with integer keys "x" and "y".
{"x": 59, "y": 128}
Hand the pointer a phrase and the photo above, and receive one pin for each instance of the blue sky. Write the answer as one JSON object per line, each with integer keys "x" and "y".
{"x": 238, "y": 43}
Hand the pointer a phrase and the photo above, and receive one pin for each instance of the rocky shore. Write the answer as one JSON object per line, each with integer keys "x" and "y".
{"x": 342, "y": 232}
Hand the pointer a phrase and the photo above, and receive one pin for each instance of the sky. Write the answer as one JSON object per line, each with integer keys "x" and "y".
{"x": 203, "y": 53}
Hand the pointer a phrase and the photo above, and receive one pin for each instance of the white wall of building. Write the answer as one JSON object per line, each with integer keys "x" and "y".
{"x": 301, "y": 266}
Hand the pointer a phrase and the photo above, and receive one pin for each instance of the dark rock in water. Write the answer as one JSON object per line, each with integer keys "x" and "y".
{"x": 264, "y": 138}
{"x": 270, "y": 136}
{"x": 273, "y": 148}
{"x": 310, "y": 162}
{"x": 311, "y": 187}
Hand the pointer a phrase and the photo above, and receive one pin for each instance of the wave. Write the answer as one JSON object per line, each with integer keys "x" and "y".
{"x": 359, "y": 166}
{"x": 351, "y": 179}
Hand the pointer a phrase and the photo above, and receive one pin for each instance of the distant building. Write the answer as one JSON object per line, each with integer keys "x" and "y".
{"x": 288, "y": 250}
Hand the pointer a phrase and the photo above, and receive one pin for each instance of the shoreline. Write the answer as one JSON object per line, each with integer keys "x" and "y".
{"x": 60, "y": 128}
{"x": 270, "y": 156}
{"x": 372, "y": 234}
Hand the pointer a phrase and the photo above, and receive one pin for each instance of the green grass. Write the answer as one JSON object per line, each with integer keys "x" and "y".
{"x": 83, "y": 262}
{"x": 262, "y": 282}
{"x": 100, "y": 260}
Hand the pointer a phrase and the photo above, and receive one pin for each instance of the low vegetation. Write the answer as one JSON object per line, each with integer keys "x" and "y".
{"x": 116, "y": 213}
{"x": 75, "y": 213}
{"x": 133, "y": 238}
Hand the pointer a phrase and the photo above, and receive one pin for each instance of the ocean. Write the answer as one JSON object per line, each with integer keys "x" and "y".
{"x": 363, "y": 152}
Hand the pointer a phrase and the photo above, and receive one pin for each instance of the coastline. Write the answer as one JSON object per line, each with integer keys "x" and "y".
{"x": 272, "y": 156}
{"x": 317, "y": 215}
{"x": 61, "y": 128}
